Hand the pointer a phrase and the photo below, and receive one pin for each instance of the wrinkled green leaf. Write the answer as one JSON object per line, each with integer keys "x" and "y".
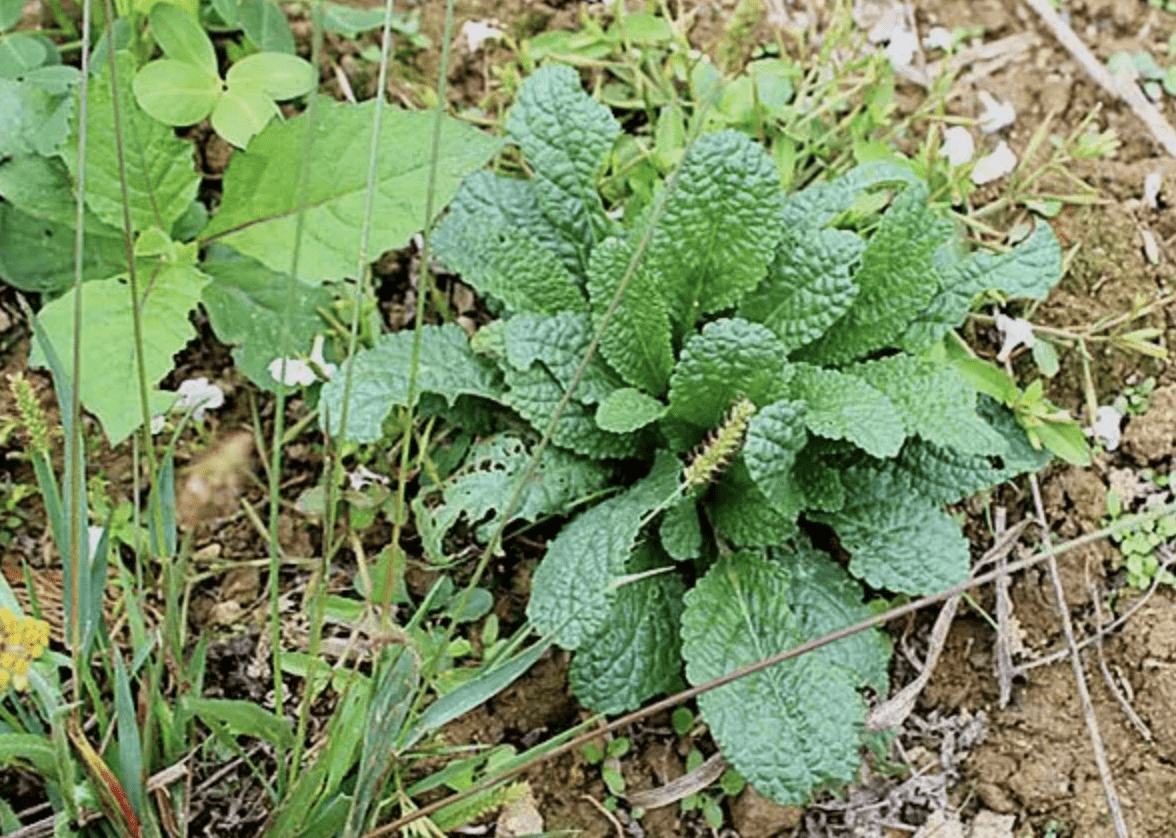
{"x": 560, "y": 343}
{"x": 744, "y": 514}
{"x": 627, "y": 410}
{"x": 841, "y": 406}
{"x": 774, "y": 436}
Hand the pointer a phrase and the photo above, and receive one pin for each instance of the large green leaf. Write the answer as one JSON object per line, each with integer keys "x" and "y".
{"x": 842, "y": 406}
{"x": 788, "y": 729}
{"x": 745, "y": 515}
{"x": 774, "y": 436}
{"x": 246, "y": 305}
{"x": 35, "y": 111}
{"x": 109, "y": 380}
{"x": 276, "y": 74}
{"x": 560, "y": 343}
{"x": 176, "y": 92}
{"x": 37, "y": 254}
{"x": 720, "y": 227}
{"x": 565, "y": 135}
{"x": 258, "y": 215}
{"x": 380, "y": 378}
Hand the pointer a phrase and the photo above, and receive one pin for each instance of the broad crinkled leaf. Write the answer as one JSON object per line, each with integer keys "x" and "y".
{"x": 792, "y": 727}
{"x": 246, "y": 305}
{"x": 681, "y": 531}
{"x": 637, "y": 342}
{"x": 627, "y": 410}
{"x": 774, "y": 436}
{"x": 895, "y": 282}
{"x": 258, "y": 215}
{"x": 637, "y": 654}
{"x": 934, "y": 401}
{"x": 843, "y": 406}
{"x": 37, "y": 254}
{"x": 744, "y": 514}
{"x": 576, "y": 583}
{"x": 109, "y": 379}
{"x": 496, "y": 238}
{"x": 487, "y": 479}
{"x": 819, "y": 481}
{"x": 1030, "y": 269}
{"x": 560, "y": 343}
{"x": 161, "y": 180}
{"x": 565, "y": 134}
{"x": 720, "y": 226}
{"x": 727, "y": 360}
{"x": 808, "y": 286}
{"x": 535, "y": 394}
{"x": 818, "y": 205}
{"x": 380, "y": 381}
{"x": 943, "y": 474}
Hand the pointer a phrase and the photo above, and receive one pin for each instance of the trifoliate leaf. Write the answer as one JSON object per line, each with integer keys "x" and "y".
{"x": 259, "y": 212}
{"x": 743, "y": 514}
{"x": 637, "y": 340}
{"x": 792, "y": 727}
{"x": 380, "y": 380}
{"x": 934, "y": 401}
{"x": 574, "y": 586}
{"x": 487, "y": 480}
{"x": 627, "y": 410}
{"x": 565, "y": 135}
{"x": 720, "y": 226}
{"x": 496, "y": 237}
{"x": 842, "y": 406}
{"x": 535, "y": 394}
{"x": 728, "y": 359}
{"x": 896, "y": 281}
{"x": 560, "y": 343}
{"x": 161, "y": 180}
{"x": 808, "y": 286}
{"x": 774, "y": 436}
{"x": 246, "y": 304}
{"x": 637, "y": 654}
{"x": 109, "y": 376}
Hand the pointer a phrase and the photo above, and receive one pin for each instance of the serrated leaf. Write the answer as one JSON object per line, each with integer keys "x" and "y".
{"x": 819, "y": 205}
{"x": 246, "y": 305}
{"x": 637, "y": 654}
{"x": 109, "y": 378}
{"x": 819, "y": 481}
{"x": 241, "y": 113}
{"x": 637, "y": 342}
{"x": 934, "y": 401}
{"x": 896, "y": 281}
{"x": 161, "y": 181}
{"x": 276, "y": 74}
{"x": 743, "y": 514}
{"x": 774, "y": 436}
{"x": 842, "y": 406}
{"x": 487, "y": 479}
{"x": 627, "y": 410}
{"x": 258, "y": 214}
{"x": 536, "y": 394}
{"x": 575, "y": 584}
{"x": 790, "y": 728}
{"x": 808, "y": 286}
{"x": 681, "y": 531}
{"x": 266, "y": 25}
{"x": 182, "y": 38}
{"x": 37, "y": 254}
{"x": 565, "y": 135}
{"x": 496, "y": 238}
{"x": 380, "y": 380}
{"x": 719, "y": 228}
{"x": 560, "y": 343}
{"x": 176, "y": 92}
{"x": 728, "y": 359}
{"x": 943, "y": 474}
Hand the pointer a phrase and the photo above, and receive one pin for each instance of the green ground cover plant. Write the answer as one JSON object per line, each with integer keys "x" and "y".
{"x": 768, "y": 362}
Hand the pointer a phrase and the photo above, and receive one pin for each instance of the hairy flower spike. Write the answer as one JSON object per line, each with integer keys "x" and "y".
{"x": 30, "y": 413}
{"x": 720, "y": 447}
{"x": 22, "y": 641}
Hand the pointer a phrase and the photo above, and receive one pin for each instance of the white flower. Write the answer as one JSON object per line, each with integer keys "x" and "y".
{"x": 1016, "y": 333}
{"x": 301, "y": 372}
{"x": 958, "y": 146}
{"x": 95, "y": 536}
{"x": 1152, "y": 184}
{"x": 1106, "y": 426}
{"x": 939, "y": 37}
{"x": 996, "y": 115}
{"x": 363, "y": 477}
{"x": 199, "y": 395}
{"x": 157, "y": 424}
{"x": 902, "y": 47}
{"x": 477, "y": 32}
{"x": 995, "y": 165}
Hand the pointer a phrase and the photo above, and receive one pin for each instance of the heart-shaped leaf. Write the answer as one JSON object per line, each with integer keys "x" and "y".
{"x": 176, "y": 92}
{"x": 276, "y": 74}
{"x": 182, "y": 38}
{"x": 241, "y": 112}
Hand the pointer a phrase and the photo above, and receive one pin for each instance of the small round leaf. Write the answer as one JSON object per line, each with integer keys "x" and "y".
{"x": 20, "y": 53}
{"x": 182, "y": 38}
{"x": 241, "y": 113}
{"x": 276, "y": 74}
{"x": 175, "y": 92}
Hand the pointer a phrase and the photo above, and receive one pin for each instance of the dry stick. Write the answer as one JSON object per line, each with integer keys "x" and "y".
{"x": 1124, "y": 88}
{"x": 1004, "y": 651}
{"x": 1124, "y": 704}
{"x": 1100, "y": 755}
{"x": 796, "y": 651}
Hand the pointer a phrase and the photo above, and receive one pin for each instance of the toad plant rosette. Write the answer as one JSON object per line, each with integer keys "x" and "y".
{"x": 776, "y": 359}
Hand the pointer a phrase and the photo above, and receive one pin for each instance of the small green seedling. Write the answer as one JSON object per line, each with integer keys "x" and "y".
{"x": 186, "y": 86}
{"x": 1140, "y": 545}
{"x": 710, "y": 802}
